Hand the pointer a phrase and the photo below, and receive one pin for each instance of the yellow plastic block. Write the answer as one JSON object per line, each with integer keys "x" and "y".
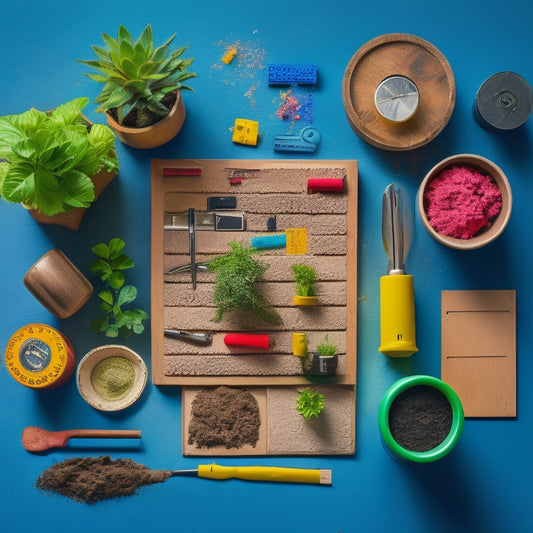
{"x": 229, "y": 55}
{"x": 245, "y": 131}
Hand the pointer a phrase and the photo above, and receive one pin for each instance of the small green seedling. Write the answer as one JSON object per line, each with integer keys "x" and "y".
{"x": 305, "y": 277}
{"x": 110, "y": 267}
{"x": 310, "y": 403}
{"x": 326, "y": 348}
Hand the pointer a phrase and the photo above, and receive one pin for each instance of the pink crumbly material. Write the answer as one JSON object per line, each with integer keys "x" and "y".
{"x": 460, "y": 201}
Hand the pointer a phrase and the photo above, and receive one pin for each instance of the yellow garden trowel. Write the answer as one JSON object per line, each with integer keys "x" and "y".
{"x": 397, "y": 301}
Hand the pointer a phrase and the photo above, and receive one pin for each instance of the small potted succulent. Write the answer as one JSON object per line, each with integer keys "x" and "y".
{"x": 55, "y": 163}
{"x": 305, "y": 277}
{"x": 310, "y": 402}
{"x": 323, "y": 361}
{"x": 142, "y": 87}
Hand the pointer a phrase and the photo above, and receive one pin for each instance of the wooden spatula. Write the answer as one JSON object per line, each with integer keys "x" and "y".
{"x": 35, "y": 439}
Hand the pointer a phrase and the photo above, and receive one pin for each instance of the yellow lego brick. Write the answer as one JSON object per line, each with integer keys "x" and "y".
{"x": 245, "y": 131}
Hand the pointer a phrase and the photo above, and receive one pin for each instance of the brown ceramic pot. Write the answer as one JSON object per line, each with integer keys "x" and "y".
{"x": 155, "y": 135}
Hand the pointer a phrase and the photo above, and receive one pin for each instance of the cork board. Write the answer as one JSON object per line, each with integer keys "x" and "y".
{"x": 479, "y": 350}
{"x": 270, "y": 192}
{"x": 283, "y": 431}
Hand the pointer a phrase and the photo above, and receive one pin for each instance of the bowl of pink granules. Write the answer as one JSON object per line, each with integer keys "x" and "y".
{"x": 465, "y": 201}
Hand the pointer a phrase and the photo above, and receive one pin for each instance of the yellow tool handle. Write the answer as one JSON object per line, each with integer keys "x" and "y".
{"x": 265, "y": 473}
{"x": 397, "y": 303}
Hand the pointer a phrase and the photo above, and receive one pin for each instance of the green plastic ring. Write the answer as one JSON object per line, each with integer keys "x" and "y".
{"x": 447, "y": 445}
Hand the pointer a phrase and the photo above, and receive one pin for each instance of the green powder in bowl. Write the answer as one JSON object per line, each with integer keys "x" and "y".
{"x": 113, "y": 378}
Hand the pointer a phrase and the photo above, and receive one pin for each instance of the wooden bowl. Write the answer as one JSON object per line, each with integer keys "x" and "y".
{"x": 496, "y": 227}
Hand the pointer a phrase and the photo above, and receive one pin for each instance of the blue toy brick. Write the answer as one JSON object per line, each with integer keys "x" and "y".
{"x": 304, "y": 74}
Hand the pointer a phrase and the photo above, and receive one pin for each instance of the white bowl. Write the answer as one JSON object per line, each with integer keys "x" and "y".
{"x": 84, "y": 377}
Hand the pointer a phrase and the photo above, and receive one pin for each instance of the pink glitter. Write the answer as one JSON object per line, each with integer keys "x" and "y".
{"x": 460, "y": 201}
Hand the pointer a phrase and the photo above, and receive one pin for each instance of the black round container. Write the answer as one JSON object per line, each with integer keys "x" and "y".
{"x": 503, "y": 102}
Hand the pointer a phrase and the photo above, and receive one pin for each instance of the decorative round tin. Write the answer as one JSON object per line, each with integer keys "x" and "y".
{"x": 40, "y": 357}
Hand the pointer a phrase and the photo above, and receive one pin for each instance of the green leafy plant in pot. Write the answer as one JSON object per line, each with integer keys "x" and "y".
{"x": 323, "y": 361}
{"x": 305, "y": 277}
{"x": 55, "y": 163}
{"x": 142, "y": 87}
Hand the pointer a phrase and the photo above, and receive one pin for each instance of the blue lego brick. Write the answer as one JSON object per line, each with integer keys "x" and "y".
{"x": 304, "y": 74}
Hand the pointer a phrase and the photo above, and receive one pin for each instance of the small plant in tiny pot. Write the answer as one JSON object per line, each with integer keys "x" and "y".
{"x": 323, "y": 361}
{"x": 310, "y": 403}
{"x": 142, "y": 87}
{"x": 305, "y": 277}
{"x": 110, "y": 267}
{"x": 235, "y": 284}
{"x": 55, "y": 163}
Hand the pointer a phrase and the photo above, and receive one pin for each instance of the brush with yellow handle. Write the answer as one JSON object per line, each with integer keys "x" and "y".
{"x": 397, "y": 302}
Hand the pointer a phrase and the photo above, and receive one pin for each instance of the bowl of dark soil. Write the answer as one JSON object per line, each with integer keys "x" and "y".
{"x": 420, "y": 419}
{"x": 465, "y": 201}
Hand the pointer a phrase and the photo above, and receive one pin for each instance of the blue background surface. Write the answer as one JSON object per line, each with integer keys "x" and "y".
{"x": 484, "y": 485}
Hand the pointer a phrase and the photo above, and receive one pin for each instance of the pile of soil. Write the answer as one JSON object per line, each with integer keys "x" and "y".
{"x": 420, "y": 418}
{"x": 90, "y": 479}
{"x": 224, "y": 416}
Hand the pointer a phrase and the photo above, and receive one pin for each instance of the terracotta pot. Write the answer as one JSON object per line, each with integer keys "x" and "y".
{"x": 73, "y": 218}
{"x": 155, "y": 135}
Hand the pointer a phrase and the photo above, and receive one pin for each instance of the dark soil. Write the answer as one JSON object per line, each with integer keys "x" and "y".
{"x": 90, "y": 479}
{"x": 224, "y": 416}
{"x": 133, "y": 119}
{"x": 420, "y": 418}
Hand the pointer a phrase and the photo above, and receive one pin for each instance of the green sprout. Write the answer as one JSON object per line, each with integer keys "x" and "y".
{"x": 310, "y": 403}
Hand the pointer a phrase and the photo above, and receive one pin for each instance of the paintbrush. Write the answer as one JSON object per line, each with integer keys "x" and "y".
{"x": 259, "y": 473}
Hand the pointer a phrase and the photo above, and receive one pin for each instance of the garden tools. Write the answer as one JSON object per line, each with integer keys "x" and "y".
{"x": 396, "y": 288}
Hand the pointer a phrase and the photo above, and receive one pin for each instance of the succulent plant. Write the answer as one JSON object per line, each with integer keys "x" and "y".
{"x": 137, "y": 77}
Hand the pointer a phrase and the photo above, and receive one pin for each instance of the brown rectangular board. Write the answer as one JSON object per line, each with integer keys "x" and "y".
{"x": 274, "y": 198}
{"x": 283, "y": 431}
{"x": 479, "y": 350}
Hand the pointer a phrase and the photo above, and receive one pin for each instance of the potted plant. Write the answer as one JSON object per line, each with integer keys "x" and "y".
{"x": 305, "y": 277}
{"x": 309, "y": 403}
{"x": 142, "y": 87}
{"x": 323, "y": 361}
{"x": 55, "y": 163}
{"x": 235, "y": 284}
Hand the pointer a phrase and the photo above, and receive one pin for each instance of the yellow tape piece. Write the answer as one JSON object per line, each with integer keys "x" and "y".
{"x": 296, "y": 241}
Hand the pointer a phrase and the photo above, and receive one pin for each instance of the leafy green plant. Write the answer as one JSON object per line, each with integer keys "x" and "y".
{"x": 137, "y": 76}
{"x": 110, "y": 267}
{"x": 309, "y": 403}
{"x": 235, "y": 284}
{"x": 305, "y": 277}
{"x": 49, "y": 157}
{"x": 326, "y": 348}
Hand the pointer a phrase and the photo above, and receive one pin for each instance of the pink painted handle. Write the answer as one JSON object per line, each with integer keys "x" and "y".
{"x": 251, "y": 340}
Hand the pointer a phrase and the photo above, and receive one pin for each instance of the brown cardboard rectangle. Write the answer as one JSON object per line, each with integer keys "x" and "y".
{"x": 478, "y": 350}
